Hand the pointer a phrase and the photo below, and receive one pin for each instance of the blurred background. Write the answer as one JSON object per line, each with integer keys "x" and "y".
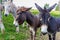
{"x": 24, "y": 34}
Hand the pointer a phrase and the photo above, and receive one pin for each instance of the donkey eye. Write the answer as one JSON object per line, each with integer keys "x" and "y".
{"x": 49, "y": 19}
{"x": 17, "y": 13}
{"x": 40, "y": 19}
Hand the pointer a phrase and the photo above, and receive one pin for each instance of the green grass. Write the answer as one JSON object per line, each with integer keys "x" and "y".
{"x": 55, "y": 13}
{"x": 10, "y": 32}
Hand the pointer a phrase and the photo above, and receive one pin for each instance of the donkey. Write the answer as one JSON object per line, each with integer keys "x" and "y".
{"x": 58, "y": 24}
{"x": 49, "y": 23}
{"x": 11, "y": 8}
{"x": 32, "y": 20}
{"x": 1, "y": 23}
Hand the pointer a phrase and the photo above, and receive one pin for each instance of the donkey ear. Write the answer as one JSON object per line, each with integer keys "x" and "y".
{"x": 52, "y": 7}
{"x": 28, "y": 9}
{"x": 38, "y": 7}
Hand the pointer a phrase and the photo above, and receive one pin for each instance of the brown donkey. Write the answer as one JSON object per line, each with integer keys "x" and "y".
{"x": 23, "y": 14}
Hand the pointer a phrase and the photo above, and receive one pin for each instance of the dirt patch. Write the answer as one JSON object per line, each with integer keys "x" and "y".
{"x": 58, "y": 36}
{"x": 46, "y": 37}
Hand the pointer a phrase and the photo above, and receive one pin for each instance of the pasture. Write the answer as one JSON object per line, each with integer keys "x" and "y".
{"x": 11, "y": 34}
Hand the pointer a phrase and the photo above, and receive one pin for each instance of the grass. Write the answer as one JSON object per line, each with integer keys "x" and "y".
{"x": 10, "y": 33}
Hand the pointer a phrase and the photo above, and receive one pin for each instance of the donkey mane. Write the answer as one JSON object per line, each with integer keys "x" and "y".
{"x": 23, "y": 9}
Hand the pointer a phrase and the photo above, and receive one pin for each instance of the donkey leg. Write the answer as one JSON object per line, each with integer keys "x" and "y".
{"x": 31, "y": 37}
{"x": 33, "y": 33}
{"x": 49, "y": 37}
{"x": 2, "y": 27}
{"x": 35, "y": 29}
{"x": 53, "y": 36}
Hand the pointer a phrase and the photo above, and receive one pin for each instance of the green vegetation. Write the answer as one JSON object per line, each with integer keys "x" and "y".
{"x": 55, "y": 13}
{"x": 0, "y": 1}
{"x": 10, "y": 33}
{"x": 58, "y": 6}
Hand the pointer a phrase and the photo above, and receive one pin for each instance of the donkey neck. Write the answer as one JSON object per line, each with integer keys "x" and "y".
{"x": 14, "y": 12}
{"x": 13, "y": 9}
{"x": 29, "y": 18}
{"x": 52, "y": 25}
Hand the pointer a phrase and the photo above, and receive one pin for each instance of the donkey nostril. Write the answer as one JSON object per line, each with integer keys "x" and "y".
{"x": 6, "y": 15}
{"x": 44, "y": 33}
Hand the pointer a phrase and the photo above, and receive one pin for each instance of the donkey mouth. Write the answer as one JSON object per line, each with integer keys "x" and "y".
{"x": 20, "y": 22}
{"x": 44, "y": 28}
{"x": 44, "y": 33}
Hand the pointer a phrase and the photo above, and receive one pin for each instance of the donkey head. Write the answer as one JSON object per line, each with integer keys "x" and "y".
{"x": 21, "y": 17}
{"x": 8, "y": 7}
{"x": 44, "y": 17}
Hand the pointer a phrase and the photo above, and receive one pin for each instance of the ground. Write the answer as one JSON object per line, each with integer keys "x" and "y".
{"x": 24, "y": 34}
{"x": 58, "y": 36}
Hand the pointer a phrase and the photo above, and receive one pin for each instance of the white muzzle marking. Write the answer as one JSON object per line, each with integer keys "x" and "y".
{"x": 6, "y": 13}
{"x": 15, "y": 23}
{"x": 44, "y": 28}
{"x": 6, "y": 10}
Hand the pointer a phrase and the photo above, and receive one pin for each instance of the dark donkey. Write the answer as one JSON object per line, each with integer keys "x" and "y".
{"x": 23, "y": 14}
{"x": 49, "y": 23}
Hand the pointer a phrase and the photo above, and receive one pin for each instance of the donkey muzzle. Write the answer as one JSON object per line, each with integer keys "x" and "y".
{"x": 6, "y": 15}
{"x": 44, "y": 29}
{"x": 44, "y": 33}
